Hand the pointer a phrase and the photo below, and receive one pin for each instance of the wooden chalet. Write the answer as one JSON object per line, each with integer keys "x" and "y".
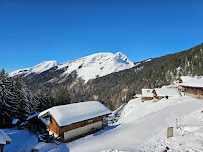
{"x": 4, "y": 139}
{"x": 194, "y": 86}
{"x": 147, "y": 94}
{"x": 68, "y": 122}
{"x": 36, "y": 125}
{"x": 185, "y": 79}
{"x": 160, "y": 93}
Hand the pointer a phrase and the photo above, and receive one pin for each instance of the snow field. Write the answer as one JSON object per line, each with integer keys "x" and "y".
{"x": 142, "y": 128}
{"x": 22, "y": 140}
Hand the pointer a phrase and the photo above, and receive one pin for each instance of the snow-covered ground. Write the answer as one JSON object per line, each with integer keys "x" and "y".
{"x": 143, "y": 127}
{"x": 22, "y": 140}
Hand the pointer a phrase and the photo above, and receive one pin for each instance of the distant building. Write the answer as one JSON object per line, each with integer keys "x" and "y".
{"x": 71, "y": 121}
{"x": 160, "y": 93}
{"x": 36, "y": 125}
{"x": 147, "y": 94}
{"x": 4, "y": 139}
{"x": 185, "y": 79}
{"x": 194, "y": 86}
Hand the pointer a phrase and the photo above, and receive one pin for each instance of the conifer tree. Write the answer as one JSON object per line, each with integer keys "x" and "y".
{"x": 8, "y": 101}
{"x": 62, "y": 96}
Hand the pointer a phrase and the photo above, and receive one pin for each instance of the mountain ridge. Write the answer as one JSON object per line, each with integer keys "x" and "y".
{"x": 118, "y": 87}
{"x": 86, "y": 68}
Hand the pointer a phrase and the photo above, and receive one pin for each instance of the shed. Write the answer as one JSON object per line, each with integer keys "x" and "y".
{"x": 36, "y": 125}
{"x": 160, "y": 93}
{"x": 194, "y": 86}
{"x": 74, "y": 120}
{"x": 147, "y": 94}
{"x": 4, "y": 139}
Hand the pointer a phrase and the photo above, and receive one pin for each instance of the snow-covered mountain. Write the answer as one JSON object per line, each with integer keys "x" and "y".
{"x": 86, "y": 68}
{"x": 46, "y": 65}
{"x": 97, "y": 65}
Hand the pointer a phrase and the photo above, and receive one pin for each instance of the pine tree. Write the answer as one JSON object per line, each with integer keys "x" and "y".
{"x": 62, "y": 96}
{"x": 28, "y": 103}
{"x": 8, "y": 101}
{"x": 15, "y": 100}
{"x": 45, "y": 98}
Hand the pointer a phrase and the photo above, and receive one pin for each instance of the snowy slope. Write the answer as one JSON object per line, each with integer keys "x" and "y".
{"x": 46, "y": 65}
{"x": 97, "y": 65}
{"x": 143, "y": 127}
{"x": 86, "y": 68}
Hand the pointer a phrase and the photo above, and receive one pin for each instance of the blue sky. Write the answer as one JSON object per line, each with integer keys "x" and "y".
{"x": 33, "y": 31}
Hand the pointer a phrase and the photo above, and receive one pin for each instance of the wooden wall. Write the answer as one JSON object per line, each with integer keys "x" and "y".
{"x": 60, "y": 130}
{"x": 146, "y": 98}
{"x": 79, "y": 124}
{"x": 192, "y": 90}
{"x": 53, "y": 126}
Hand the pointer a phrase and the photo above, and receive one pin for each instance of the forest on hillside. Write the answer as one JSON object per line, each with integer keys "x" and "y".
{"x": 119, "y": 87}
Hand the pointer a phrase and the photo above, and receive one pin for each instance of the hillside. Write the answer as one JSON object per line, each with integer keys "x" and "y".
{"x": 142, "y": 128}
{"x": 154, "y": 73}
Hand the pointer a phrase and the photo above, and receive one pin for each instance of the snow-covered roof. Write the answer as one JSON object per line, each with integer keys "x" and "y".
{"x": 198, "y": 82}
{"x": 4, "y": 137}
{"x": 36, "y": 115}
{"x": 32, "y": 116}
{"x": 171, "y": 86}
{"x": 166, "y": 92}
{"x": 14, "y": 121}
{"x": 186, "y": 78}
{"x": 72, "y": 113}
{"x": 147, "y": 93}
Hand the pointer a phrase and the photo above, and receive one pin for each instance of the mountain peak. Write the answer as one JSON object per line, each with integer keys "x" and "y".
{"x": 97, "y": 65}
